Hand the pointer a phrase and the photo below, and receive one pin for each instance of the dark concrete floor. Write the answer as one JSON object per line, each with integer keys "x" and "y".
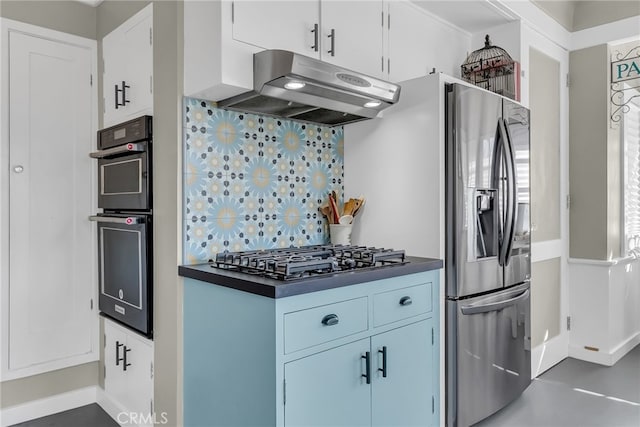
{"x": 84, "y": 416}
{"x": 572, "y": 393}
{"x": 578, "y": 393}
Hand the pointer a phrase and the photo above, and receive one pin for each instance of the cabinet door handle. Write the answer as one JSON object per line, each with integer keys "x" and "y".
{"x": 124, "y": 359}
{"x": 330, "y": 320}
{"x": 124, "y": 94}
{"x": 384, "y": 361}
{"x": 116, "y": 90}
{"x": 367, "y": 362}
{"x": 315, "y": 37}
{"x": 332, "y": 36}
{"x": 118, "y": 358}
{"x": 404, "y": 301}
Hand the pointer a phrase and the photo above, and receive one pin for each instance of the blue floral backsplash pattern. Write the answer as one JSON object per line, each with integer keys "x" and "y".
{"x": 255, "y": 182}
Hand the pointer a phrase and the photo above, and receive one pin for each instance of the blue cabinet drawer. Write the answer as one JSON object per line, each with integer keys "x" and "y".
{"x": 317, "y": 325}
{"x": 402, "y": 303}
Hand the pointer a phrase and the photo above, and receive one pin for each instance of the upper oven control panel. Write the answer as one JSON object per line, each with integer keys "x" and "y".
{"x": 135, "y": 130}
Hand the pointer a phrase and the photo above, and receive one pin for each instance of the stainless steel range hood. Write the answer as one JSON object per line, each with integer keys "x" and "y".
{"x": 294, "y": 86}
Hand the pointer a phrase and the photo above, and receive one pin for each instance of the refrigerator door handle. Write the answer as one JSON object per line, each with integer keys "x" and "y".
{"x": 497, "y": 183}
{"x": 493, "y": 306}
{"x": 511, "y": 196}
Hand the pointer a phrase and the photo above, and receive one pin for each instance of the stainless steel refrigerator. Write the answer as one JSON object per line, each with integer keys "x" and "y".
{"x": 487, "y": 253}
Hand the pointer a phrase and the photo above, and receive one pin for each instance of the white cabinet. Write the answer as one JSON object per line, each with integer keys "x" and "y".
{"x": 127, "y": 83}
{"x": 286, "y": 25}
{"x": 128, "y": 372}
{"x": 417, "y": 42}
{"x": 352, "y": 35}
{"x": 324, "y": 30}
{"x": 221, "y": 37}
{"x": 48, "y": 247}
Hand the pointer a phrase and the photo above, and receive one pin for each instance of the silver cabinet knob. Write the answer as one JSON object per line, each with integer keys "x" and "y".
{"x": 18, "y": 169}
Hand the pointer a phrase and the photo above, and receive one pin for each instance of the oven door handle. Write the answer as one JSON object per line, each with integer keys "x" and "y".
{"x": 125, "y": 148}
{"x": 129, "y": 220}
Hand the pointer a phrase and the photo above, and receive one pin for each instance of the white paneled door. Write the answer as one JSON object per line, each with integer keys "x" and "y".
{"x": 547, "y": 96}
{"x": 51, "y": 242}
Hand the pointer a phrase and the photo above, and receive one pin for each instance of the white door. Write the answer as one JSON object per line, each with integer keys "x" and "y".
{"x": 138, "y": 377}
{"x": 357, "y": 35}
{"x": 115, "y": 380}
{"x": 546, "y": 93}
{"x": 51, "y": 242}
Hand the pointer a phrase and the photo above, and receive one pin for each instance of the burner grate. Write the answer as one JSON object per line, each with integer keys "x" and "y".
{"x": 308, "y": 261}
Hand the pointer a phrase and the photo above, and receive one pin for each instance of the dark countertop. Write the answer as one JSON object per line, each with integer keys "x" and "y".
{"x": 279, "y": 288}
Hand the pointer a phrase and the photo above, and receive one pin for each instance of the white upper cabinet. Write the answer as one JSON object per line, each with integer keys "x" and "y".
{"x": 418, "y": 43}
{"x": 286, "y": 25}
{"x": 352, "y": 35}
{"x": 221, "y": 37}
{"x": 344, "y": 33}
{"x": 127, "y": 54}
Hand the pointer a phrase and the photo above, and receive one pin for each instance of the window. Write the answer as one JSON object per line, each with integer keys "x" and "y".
{"x": 631, "y": 171}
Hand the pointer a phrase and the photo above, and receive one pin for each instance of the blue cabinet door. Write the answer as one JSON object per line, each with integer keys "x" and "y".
{"x": 405, "y": 397}
{"x": 327, "y": 388}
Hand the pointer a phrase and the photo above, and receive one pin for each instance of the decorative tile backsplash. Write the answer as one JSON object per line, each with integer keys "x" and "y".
{"x": 255, "y": 182}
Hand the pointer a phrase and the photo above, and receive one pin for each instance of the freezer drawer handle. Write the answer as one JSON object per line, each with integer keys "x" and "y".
{"x": 404, "y": 301}
{"x": 494, "y": 306}
{"x": 330, "y": 320}
{"x": 130, "y": 220}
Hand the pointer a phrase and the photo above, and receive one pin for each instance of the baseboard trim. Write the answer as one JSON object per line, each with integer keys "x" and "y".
{"x": 48, "y": 406}
{"x": 602, "y": 358}
{"x": 548, "y": 354}
{"x": 110, "y": 406}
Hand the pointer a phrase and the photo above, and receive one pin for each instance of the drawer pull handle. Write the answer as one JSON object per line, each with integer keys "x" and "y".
{"x": 404, "y": 301}
{"x": 330, "y": 320}
{"x": 384, "y": 361}
{"x": 367, "y": 374}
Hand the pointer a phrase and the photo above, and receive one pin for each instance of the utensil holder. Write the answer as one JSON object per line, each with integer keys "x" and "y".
{"x": 340, "y": 234}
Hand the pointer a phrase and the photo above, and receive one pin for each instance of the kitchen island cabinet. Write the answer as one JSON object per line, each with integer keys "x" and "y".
{"x": 365, "y": 353}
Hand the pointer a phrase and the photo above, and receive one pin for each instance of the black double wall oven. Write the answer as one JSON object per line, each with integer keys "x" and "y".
{"x": 125, "y": 225}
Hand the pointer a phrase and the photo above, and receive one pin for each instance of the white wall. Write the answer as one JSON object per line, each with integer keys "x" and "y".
{"x": 605, "y": 319}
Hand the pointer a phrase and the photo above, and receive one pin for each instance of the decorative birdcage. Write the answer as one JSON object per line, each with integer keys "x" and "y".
{"x": 491, "y": 68}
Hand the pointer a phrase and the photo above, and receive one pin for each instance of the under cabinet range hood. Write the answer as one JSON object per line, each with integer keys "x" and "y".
{"x": 297, "y": 87}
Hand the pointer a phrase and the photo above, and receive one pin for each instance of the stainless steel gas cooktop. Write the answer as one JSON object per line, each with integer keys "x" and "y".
{"x": 308, "y": 261}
